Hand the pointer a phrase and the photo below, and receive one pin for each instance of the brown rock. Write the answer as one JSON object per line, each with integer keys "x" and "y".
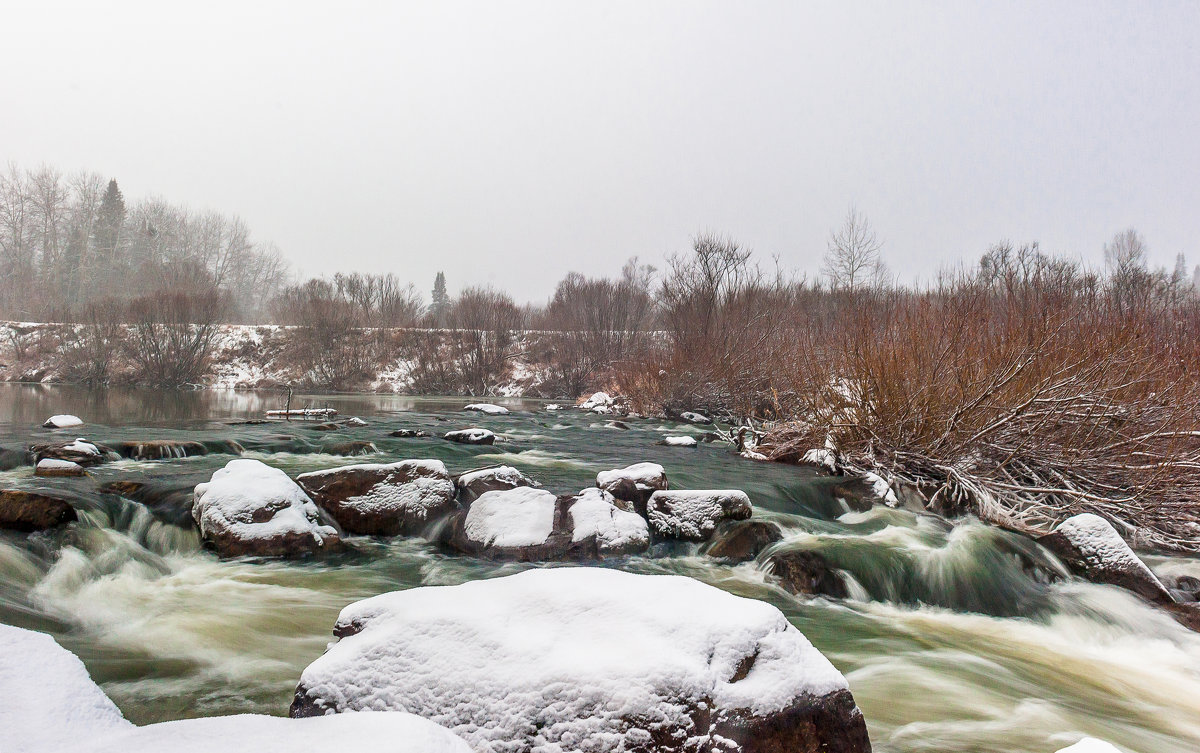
{"x": 160, "y": 449}
{"x": 743, "y": 540}
{"x": 806, "y": 573}
{"x": 383, "y": 499}
{"x": 349, "y": 449}
{"x": 33, "y": 511}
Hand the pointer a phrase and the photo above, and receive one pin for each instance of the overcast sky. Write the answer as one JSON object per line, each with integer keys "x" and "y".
{"x": 511, "y": 142}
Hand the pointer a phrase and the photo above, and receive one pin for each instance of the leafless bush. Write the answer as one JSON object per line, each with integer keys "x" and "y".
{"x": 91, "y": 350}
{"x": 170, "y": 335}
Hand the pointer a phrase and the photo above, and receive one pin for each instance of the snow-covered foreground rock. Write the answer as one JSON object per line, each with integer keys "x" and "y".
{"x": 588, "y": 659}
{"x": 474, "y": 484}
{"x": 531, "y": 524}
{"x": 693, "y": 515}
{"x": 383, "y": 499}
{"x": 471, "y": 436}
{"x": 633, "y": 484}
{"x": 1092, "y": 548}
{"x": 250, "y": 508}
{"x": 52, "y": 705}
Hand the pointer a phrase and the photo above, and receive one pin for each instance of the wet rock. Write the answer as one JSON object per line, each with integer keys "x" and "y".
{"x": 64, "y": 421}
{"x": 51, "y": 468}
{"x": 168, "y": 498}
{"x": 409, "y": 433}
{"x": 10, "y": 459}
{"x": 806, "y": 573}
{"x": 528, "y": 524}
{"x": 471, "y": 436}
{"x": 474, "y": 484}
{"x": 1187, "y": 614}
{"x": 695, "y": 418}
{"x": 250, "y": 508}
{"x": 1090, "y": 546}
{"x": 693, "y": 515}
{"x": 22, "y": 510}
{"x": 618, "y": 425}
{"x": 673, "y": 665}
{"x": 1184, "y": 588}
{"x": 79, "y": 451}
{"x": 352, "y": 448}
{"x": 160, "y": 449}
{"x": 634, "y": 484}
{"x": 743, "y": 540}
{"x": 328, "y": 426}
{"x": 391, "y": 499}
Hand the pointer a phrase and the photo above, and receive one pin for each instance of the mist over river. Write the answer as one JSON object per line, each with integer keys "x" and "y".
{"x": 954, "y": 638}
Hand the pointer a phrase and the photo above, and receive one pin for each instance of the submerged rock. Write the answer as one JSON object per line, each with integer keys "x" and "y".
{"x": 1090, "y": 546}
{"x": 352, "y": 448}
{"x": 672, "y": 665}
{"x": 383, "y": 499}
{"x": 634, "y": 484}
{"x": 471, "y": 436}
{"x": 22, "y": 510}
{"x": 328, "y": 426}
{"x": 51, "y": 468}
{"x": 693, "y": 515}
{"x": 529, "y": 524}
{"x": 806, "y": 573}
{"x": 743, "y": 540}
{"x": 64, "y": 421}
{"x": 473, "y": 484}
{"x": 160, "y": 449}
{"x": 250, "y": 508}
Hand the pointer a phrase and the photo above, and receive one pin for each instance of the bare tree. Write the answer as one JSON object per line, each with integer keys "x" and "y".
{"x": 852, "y": 259}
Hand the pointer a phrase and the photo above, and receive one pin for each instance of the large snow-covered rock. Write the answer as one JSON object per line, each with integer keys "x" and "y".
{"x": 51, "y": 468}
{"x": 531, "y": 524}
{"x": 78, "y": 451}
{"x": 63, "y": 421}
{"x": 487, "y": 409}
{"x": 588, "y": 659}
{"x": 1092, "y": 548}
{"x": 693, "y": 515}
{"x": 473, "y": 484}
{"x": 380, "y": 499}
{"x": 634, "y": 484}
{"x": 597, "y": 400}
{"x": 49, "y": 701}
{"x": 250, "y": 508}
{"x": 22, "y": 510}
{"x": 471, "y": 436}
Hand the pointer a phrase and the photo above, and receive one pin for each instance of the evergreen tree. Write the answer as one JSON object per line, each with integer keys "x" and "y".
{"x": 109, "y": 219}
{"x": 439, "y": 304}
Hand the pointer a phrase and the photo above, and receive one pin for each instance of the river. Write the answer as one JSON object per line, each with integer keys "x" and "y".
{"x": 949, "y": 643}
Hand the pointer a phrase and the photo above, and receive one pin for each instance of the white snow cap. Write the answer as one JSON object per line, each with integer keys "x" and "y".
{"x": 582, "y": 653}
{"x": 823, "y": 457}
{"x": 881, "y": 488}
{"x": 1091, "y": 745}
{"x": 473, "y": 434}
{"x": 1099, "y": 542}
{"x": 54, "y": 464}
{"x": 695, "y": 513}
{"x": 643, "y": 475}
{"x": 695, "y": 418}
{"x": 679, "y": 441}
{"x": 488, "y": 408}
{"x": 391, "y": 732}
{"x": 597, "y": 400}
{"x": 355, "y": 421}
{"x": 594, "y": 514}
{"x": 63, "y": 421}
{"x": 503, "y": 473}
{"x": 523, "y": 516}
{"x": 82, "y": 445}
{"x": 229, "y": 501}
{"x": 50, "y": 702}
{"x": 553, "y": 406}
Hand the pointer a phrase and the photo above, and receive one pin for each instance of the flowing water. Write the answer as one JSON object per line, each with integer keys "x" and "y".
{"x": 954, "y": 639}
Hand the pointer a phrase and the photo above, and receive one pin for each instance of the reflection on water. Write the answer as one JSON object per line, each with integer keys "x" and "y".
{"x": 955, "y": 639}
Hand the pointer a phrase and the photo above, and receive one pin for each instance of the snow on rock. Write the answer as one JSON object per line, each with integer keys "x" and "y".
{"x": 391, "y": 499}
{"x": 355, "y": 421}
{"x": 602, "y": 528}
{"x": 50, "y": 702}
{"x": 22, "y": 510}
{"x": 79, "y": 451}
{"x": 1090, "y": 745}
{"x": 63, "y": 421}
{"x": 471, "y": 436}
{"x": 250, "y": 508}
{"x": 633, "y": 484}
{"x": 473, "y": 484}
{"x": 822, "y": 457}
{"x": 694, "y": 515}
{"x": 553, "y": 407}
{"x": 695, "y": 418}
{"x": 881, "y": 488}
{"x": 587, "y": 659}
{"x": 597, "y": 400}
{"x": 51, "y": 467}
{"x": 1090, "y": 546}
{"x": 679, "y": 441}
{"x": 487, "y": 409}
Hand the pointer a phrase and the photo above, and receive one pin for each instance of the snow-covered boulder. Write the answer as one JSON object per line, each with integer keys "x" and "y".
{"x": 530, "y": 524}
{"x": 633, "y": 484}
{"x": 1090, "y": 745}
{"x": 50, "y": 702}
{"x": 695, "y": 418}
{"x": 22, "y": 510}
{"x": 474, "y": 484}
{"x": 743, "y": 540}
{"x": 597, "y": 400}
{"x": 250, "y": 508}
{"x": 487, "y": 409}
{"x": 588, "y": 659}
{"x": 693, "y": 515}
{"x": 64, "y": 421}
{"x": 390, "y": 499}
{"x": 1090, "y": 546}
{"x": 471, "y": 436}
{"x": 678, "y": 441}
{"x": 160, "y": 449}
{"x": 52, "y": 468}
{"x": 78, "y": 451}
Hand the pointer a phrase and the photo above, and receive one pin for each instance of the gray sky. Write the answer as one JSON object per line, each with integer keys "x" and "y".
{"x": 512, "y": 142}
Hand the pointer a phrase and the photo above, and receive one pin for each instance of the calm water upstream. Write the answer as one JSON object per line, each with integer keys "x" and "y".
{"x": 949, "y": 643}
